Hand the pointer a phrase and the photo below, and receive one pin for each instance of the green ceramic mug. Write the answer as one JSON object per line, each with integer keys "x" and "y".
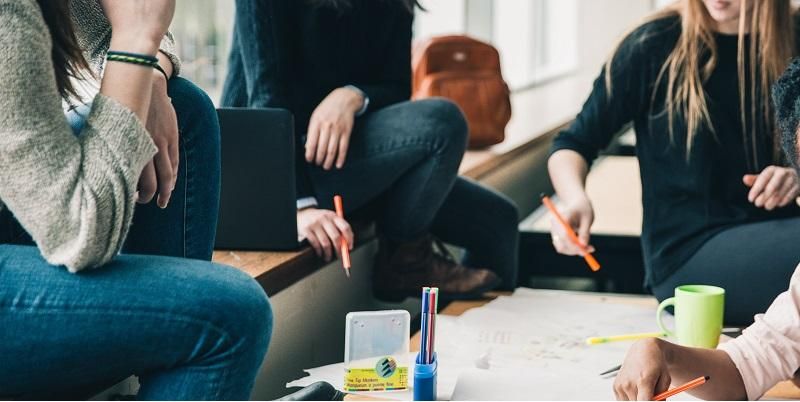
{"x": 698, "y": 315}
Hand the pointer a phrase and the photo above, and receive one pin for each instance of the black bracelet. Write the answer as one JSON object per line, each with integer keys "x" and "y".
{"x": 132, "y": 58}
{"x": 161, "y": 70}
{"x": 147, "y": 57}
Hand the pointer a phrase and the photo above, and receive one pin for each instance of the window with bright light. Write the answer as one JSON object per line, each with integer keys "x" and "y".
{"x": 203, "y": 30}
{"x": 537, "y": 39}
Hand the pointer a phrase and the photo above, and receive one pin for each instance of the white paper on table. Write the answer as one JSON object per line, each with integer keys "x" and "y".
{"x": 532, "y": 339}
{"x": 536, "y": 340}
{"x": 513, "y": 385}
{"x": 513, "y": 335}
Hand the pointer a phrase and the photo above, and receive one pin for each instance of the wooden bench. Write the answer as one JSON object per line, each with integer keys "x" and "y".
{"x": 276, "y": 271}
{"x": 614, "y": 187}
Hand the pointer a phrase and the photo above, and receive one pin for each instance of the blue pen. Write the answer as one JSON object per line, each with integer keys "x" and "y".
{"x": 426, "y": 362}
{"x": 424, "y": 326}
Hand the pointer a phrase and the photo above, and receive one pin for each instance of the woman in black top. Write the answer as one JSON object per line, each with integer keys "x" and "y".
{"x": 343, "y": 68}
{"x": 718, "y": 202}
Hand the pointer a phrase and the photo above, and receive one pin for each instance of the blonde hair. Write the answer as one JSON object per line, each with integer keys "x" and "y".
{"x": 771, "y": 30}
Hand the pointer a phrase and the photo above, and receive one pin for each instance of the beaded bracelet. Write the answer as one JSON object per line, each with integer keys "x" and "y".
{"x": 132, "y": 58}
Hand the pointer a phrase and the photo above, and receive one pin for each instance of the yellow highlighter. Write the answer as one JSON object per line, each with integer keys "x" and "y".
{"x": 627, "y": 337}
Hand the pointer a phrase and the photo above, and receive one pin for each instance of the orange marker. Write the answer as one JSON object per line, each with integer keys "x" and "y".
{"x": 685, "y": 387}
{"x": 337, "y": 202}
{"x": 593, "y": 264}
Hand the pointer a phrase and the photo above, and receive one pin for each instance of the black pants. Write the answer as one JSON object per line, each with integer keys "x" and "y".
{"x": 404, "y": 159}
{"x": 752, "y": 262}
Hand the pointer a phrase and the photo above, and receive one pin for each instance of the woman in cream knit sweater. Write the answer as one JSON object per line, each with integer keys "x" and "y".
{"x": 173, "y": 322}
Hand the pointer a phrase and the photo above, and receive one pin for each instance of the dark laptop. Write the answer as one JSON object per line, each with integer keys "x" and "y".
{"x": 258, "y": 206}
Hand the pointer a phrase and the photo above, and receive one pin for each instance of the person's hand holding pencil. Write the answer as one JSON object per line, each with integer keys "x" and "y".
{"x": 644, "y": 374}
{"x": 580, "y": 216}
{"x": 655, "y": 369}
{"x": 344, "y": 246}
{"x": 570, "y": 227}
{"x": 324, "y": 231}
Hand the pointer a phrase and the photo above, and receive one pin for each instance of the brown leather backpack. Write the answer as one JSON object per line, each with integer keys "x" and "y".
{"x": 466, "y": 71}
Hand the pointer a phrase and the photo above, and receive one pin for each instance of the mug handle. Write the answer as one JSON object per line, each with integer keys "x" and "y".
{"x": 660, "y": 316}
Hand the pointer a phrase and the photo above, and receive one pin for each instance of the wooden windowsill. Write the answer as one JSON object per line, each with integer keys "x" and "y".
{"x": 277, "y": 270}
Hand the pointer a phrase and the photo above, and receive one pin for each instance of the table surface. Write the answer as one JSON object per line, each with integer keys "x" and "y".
{"x": 615, "y": 189}
{"x": 784, "y": 390}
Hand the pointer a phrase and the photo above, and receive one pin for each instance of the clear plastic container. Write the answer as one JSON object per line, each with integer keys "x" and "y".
{"x": 376, "y": 351}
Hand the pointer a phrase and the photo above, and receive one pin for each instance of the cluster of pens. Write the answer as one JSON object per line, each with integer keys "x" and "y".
{"x": 426, "y": 364}
{"x": 428, "y": 329}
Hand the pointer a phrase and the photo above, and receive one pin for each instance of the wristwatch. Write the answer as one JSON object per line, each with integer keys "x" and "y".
{"x": 306, "y": 202}
{"x": 364, "y": 96}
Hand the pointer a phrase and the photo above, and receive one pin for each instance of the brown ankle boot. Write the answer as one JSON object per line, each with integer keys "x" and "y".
{"x": 402, "y": 271}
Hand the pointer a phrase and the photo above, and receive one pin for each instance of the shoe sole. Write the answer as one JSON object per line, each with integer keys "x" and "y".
{"x": 477, "y": 294}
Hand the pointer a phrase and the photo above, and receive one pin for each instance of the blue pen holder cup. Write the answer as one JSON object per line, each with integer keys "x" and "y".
{"x": 425, "y": 379}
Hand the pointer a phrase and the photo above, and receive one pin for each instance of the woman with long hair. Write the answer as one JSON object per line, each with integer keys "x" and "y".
{"x": 719, "y": 203}
{"x": 343, "y": 67}
{"x": 75, "y": 316}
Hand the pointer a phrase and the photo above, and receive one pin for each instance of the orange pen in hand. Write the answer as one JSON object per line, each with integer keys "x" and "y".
{"x": 593, "y": 264}
{"x": 683, "y": 388}
{"x": 337, "y": 203}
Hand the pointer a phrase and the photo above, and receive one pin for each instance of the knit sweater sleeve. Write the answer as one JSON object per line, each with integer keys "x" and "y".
{"x": 73, "y": 194}
{"x": 94, "y": 34}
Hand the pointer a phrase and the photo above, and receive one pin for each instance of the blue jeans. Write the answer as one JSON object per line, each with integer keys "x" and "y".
{"x": 187, "y": 227}
{"x": 189, "y": 329}
{"x": 404, "y": 160}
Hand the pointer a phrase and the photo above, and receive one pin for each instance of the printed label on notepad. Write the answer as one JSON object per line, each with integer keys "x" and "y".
{"x": 368, "y": 379}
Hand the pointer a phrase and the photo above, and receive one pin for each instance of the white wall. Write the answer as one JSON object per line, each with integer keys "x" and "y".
{"x": 601, "y": 25}
{"x": 443, "y": 17}
{"x": 511, "y": 25}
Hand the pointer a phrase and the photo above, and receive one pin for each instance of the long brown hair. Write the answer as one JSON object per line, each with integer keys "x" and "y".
{"x": 68, "y": 60}
{"x": 695, "y": 57}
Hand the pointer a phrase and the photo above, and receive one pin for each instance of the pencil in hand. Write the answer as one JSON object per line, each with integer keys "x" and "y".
{"x": 626, "y": 337}
{"x": 345, "y": 249}
{"x": 683, "y": 388}
{"x": 590, "y": 260}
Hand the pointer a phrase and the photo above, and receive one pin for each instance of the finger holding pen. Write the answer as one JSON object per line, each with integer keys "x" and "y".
{"x": 344, "y": 245}
{"x": 573, "y": 237}
{"x": 579, "y": 216}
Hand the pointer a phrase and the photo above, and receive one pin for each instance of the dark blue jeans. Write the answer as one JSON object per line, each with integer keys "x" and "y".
{"x": 191, "y": 330}
{"x": 187, "y": 227}
{"x": 405, "y": 159}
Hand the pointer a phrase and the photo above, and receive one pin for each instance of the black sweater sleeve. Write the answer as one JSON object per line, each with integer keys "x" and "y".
{"x": 605, "y": 113}
{"x": 394, "y": 82}
{"x": 261, "y": 27}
